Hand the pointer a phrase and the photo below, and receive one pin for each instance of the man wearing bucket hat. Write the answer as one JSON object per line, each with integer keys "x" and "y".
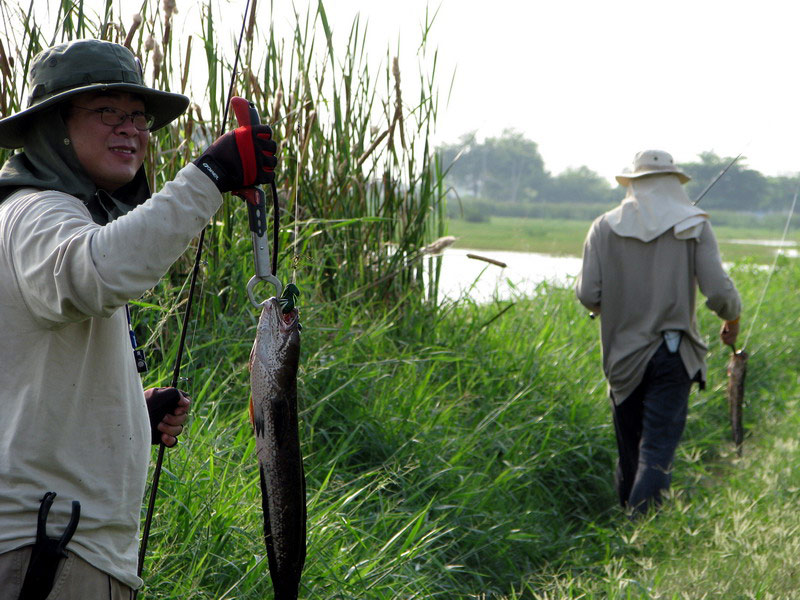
{"x": 642, "y": 263}
{"x": 80, "y": 235}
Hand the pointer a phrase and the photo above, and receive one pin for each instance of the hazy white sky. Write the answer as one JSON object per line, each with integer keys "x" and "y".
{"x": 591, "y": 81}
{"x": 594, "y": 81}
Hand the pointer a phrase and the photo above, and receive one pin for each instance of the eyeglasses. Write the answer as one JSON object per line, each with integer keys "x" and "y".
{"x": 114, "y": 116}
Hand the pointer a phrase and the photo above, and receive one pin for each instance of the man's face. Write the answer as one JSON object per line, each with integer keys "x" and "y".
{"x": 110, "y": 154}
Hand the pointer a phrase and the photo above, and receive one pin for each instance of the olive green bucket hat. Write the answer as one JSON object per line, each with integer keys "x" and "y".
{"x": 86, "y": 66}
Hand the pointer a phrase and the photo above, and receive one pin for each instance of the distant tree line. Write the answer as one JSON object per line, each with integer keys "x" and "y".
{"x": 509, "y": 171}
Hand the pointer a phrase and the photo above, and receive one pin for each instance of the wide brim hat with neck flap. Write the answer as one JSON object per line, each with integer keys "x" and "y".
{"x": 651, "y": 162}
{"x": 83, "y": 66}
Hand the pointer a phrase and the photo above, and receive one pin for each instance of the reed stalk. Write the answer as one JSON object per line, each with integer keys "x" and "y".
{"x": 363, "y": 206}
{"x": 463, "y": 453}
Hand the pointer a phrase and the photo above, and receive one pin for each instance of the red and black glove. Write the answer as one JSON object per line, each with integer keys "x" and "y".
{"x": 161, "y": 401}
{"x": 241, "y": 158}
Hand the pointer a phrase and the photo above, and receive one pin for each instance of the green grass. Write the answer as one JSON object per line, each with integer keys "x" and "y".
{"x": 453, "y": 452}
{"x": 731, "y": 529}
{"x": 563, "y": 237}
{"x": 464, "y": 454}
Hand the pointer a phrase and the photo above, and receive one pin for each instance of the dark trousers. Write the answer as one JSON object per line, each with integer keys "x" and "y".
{"x": 649, "y": 424}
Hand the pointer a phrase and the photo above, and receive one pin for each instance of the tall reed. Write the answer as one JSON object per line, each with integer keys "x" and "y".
{"x": 358, "y": 182}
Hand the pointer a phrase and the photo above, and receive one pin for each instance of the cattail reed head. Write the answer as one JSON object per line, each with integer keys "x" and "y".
{"x": 252, "y": 21}
{"x": 276, "y": 106}
{"x": 158, "y": 58}
{"x": 312, "y": 116}
{"x": 185, "y": 76}
{"x": 398, "y": 96}
{"x": 257, "y": 92}
{"x": 438, "y": 245}
{"x": 398, "y": 102}
{"x": 135, "y": 24}
{"x": 170, "y": 7}
{"x": 396, "y": 72}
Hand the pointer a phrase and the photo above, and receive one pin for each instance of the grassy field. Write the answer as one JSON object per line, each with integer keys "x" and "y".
{"x": 452, "y": 452}
{"x": 565, "y": 237}
{"x": 468, "y": 454}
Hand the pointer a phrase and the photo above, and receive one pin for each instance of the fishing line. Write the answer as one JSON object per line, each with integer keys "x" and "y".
{"x": 772, "y": 269}
{"x": 298, "y": 166}
{"x": 181, "y": 345}
{"x": 296, "y": 241}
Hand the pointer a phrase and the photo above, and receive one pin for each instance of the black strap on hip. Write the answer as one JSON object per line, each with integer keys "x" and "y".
{"x": 47, "y": 552}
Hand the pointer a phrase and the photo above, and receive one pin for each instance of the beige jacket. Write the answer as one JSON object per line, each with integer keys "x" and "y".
{"x": 72, "y": 414}
{"x": 642, "y": 289}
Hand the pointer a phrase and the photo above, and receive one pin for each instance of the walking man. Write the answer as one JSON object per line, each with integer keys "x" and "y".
{"x": 642, "y": 264}
{"x": 80, "y": 235}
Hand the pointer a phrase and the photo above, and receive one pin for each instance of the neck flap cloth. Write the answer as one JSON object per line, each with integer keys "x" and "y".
{"x": 48, "y": 163}
{"x": 653, "y": 206}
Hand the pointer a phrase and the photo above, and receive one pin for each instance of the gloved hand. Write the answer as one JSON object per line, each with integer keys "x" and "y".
{"x": 240, "y": 158}
{"x": 167, "y": 408}
{"x": 729, "y": 332}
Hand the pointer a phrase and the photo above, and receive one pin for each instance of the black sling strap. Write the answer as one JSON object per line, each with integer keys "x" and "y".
{"x": 47, "y": 552}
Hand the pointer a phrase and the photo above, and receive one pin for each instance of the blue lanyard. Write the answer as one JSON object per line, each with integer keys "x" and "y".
{"x": 138, "y": 353}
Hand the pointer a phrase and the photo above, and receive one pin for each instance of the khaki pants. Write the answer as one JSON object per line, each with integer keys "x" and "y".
{"x": 75, "y": 579}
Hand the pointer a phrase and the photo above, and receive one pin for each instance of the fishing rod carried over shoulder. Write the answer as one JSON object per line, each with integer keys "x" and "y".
{"x": 702, "y": 194}
{"x": 717, "y": 178}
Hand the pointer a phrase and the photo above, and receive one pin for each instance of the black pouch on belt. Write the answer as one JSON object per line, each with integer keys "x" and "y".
{"x": 47, "y": 552}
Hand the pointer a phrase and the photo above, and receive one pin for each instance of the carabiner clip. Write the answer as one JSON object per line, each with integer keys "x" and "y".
{"x": 256, "y": 211}
{"x": 269, "y": 279}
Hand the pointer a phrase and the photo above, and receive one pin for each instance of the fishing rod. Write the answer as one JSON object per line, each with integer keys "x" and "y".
{"x": 185, "y": 324}
{"x": 737, "y": 365}
{"x": 717, "y": 178}
{"x": 772, "y": 268}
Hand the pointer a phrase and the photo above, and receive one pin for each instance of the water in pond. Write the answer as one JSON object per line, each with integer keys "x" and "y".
{"x": 482, "y": 281}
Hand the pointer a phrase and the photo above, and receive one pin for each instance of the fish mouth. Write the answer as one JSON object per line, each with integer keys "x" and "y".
{"x": 286, "y": 321}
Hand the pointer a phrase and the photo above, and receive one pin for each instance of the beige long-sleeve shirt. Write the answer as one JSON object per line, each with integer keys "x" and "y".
{"x": 642, "y": 289}
{"x": 73, "y": 419}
